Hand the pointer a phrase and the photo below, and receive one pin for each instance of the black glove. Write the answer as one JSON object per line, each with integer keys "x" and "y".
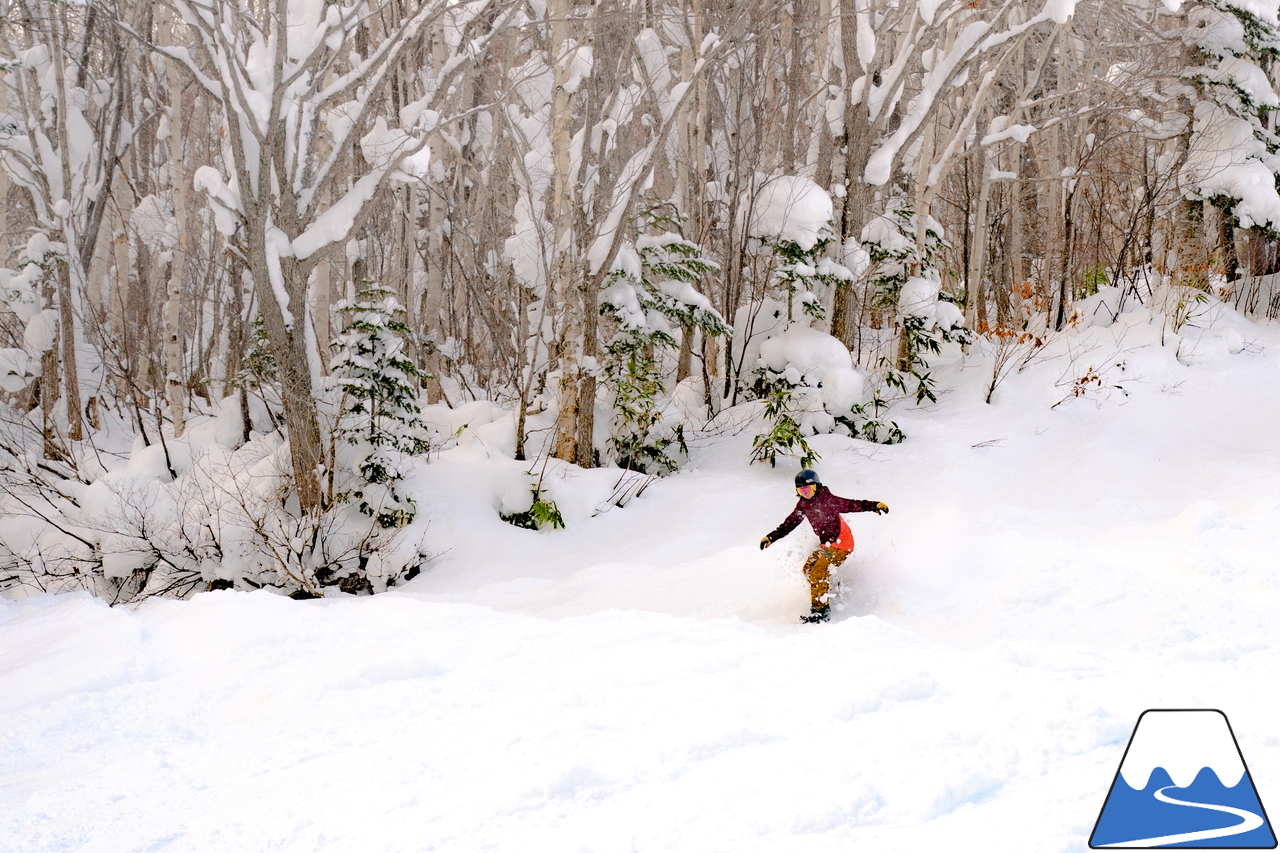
{"x": 765, "y": 543}
{"x": 881, "y": 509}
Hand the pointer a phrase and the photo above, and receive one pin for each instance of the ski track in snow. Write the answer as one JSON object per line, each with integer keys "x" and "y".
{"x": 638, "y": 682}
{"x": 1248, "y": 822}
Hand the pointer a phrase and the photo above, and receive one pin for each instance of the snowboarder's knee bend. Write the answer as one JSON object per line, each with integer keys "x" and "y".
{"x": 817, "y": 569}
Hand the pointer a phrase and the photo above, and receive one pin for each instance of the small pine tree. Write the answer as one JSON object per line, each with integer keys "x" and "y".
{"x": 896, "y": 260}
{"x": 379, "y": 414}
{"x": 647, "y": 298}
{"x": 804, "y": 271}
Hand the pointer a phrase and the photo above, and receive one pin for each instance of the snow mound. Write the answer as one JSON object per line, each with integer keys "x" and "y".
{"x": 1101, "y": 308}
{"x": 842, "y": 389}
{"x": 919, "y": 298}
{"x": 15, "y": 369}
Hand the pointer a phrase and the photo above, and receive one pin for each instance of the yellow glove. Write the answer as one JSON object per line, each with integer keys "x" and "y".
{"x": 881, "y": 509}
{"x": 765, "y": 543}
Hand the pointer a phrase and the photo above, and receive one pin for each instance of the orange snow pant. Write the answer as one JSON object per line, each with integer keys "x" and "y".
{"x": 818, "y": 570}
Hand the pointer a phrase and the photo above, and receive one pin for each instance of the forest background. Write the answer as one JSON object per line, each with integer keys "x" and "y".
{"x": 263, "y": 259}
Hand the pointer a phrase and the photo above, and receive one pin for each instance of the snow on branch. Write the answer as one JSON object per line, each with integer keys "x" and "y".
{"x": 950, "y": 61}
{"x": 608, "y": 239}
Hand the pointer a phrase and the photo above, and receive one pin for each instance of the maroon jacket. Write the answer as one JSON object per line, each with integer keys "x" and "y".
{"x": 823, "y": 511}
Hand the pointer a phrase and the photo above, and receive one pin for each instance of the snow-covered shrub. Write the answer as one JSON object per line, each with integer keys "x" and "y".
{"x": 212, "y": 515}
{"x": 783, "y": 435}
{"x": 810, "y": 387}
{"x": 1011, "y": 349}
{"x": 651, "y": 294}
{"x": 1177, "y": 305}
{"x": 793, "y": 217}
{"x": 541, "y": 512}
{"x": 15, "y": 369}
{"x": 267, "y": 540}
{"x": 363, "y": 538}
{"x": 379, "y": 415}
{"x": 130, "y": 537}
{"x": 906, "y": 280}
{"x": 29, "y": 291}
{"x": 1233, "y": 158}
{"x": 524, "y": 502}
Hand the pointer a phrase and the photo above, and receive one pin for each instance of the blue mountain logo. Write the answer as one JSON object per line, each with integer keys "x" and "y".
{"x": 1183, "y": 783}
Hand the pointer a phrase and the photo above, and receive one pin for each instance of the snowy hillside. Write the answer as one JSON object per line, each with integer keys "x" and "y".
{"x": 1053, "y": 564}
{"x": 394, "y": 397}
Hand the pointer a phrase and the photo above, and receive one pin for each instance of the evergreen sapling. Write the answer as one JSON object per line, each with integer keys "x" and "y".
{"x": 379, "y": 415}
{"x": 802, "y": 271}
{"x": 651, "y": 293}
{"x": 929, "y": 315}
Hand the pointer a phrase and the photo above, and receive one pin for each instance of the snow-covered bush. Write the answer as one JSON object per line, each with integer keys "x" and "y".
{"x": 266, "y": 539}
{"x": 793, "y": 217}
{"x": 810, "y": 387}
{"x": 23, "y": 291}
{"x": 1233, "y": 157}
{"x": 15, "y": 369}
{"x": 203, "y": 510}
{"x": 524, "y": 503}
{"x": 808, "y": 377}
{"x": 906, "y": 280}
{"x": 652, "y": 294}
{"x": 31, "y": 295}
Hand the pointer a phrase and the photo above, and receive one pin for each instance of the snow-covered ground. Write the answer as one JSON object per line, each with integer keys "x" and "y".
{"x": 639, "y": 681}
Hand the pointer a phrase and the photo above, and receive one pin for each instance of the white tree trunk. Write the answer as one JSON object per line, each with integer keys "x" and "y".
{"x": 4, "y": 190}
{"x": 561, "y": 211}
{"x": 975, "y": 312}
{"x": 71, "y": 274}
{"x": 175, "y": 386}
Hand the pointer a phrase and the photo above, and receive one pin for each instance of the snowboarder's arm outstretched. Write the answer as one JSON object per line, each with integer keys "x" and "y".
{"x": 792, "y": 521}
{"x": 851, "y": 505}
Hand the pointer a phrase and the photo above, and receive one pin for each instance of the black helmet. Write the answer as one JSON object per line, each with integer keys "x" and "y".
{"x": 807, "y": 478}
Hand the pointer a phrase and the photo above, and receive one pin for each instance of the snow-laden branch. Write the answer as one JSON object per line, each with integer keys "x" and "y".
{"x": 604, "y": 247}
{"x": 419, "y": 116}
{"x": 949, "y": 63}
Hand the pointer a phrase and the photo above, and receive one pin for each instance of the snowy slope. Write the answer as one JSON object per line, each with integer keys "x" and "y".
{"x": 638, "y": 682}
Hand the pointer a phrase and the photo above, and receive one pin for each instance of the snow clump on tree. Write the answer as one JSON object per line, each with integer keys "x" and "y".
{"x": 1232, "y": 155}
{"x": 792, "y": 209}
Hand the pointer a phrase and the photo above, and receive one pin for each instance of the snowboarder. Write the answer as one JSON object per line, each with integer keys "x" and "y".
{"x": 835, "y": 539}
